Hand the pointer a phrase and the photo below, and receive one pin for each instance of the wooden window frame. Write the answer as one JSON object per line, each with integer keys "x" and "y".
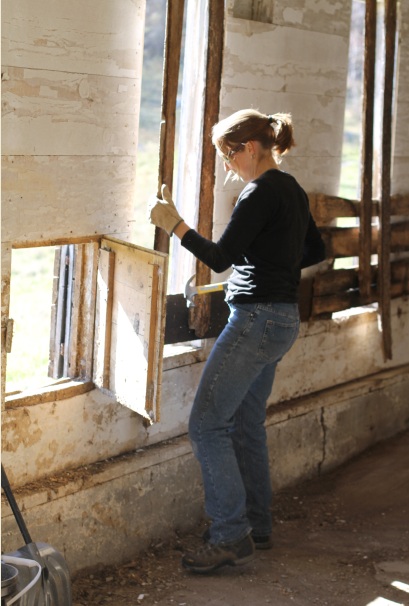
{"x": 117, "y": 284}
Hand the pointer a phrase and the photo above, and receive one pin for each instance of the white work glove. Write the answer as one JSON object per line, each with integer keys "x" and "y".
{"x": 163, "y": 213}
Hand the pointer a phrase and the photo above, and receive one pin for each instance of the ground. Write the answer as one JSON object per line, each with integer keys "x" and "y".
{"x": 339, "y": 540}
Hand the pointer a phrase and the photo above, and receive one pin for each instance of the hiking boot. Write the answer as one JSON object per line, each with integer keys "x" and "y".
{"x": 264, "y": 541}
{"x": 210, "y": 557}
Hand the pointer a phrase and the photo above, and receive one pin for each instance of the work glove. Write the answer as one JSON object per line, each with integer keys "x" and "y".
{"x": 163, "y": 213}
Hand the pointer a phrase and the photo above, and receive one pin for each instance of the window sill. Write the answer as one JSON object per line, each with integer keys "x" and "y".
{"x": 175, "y": 356}
{"x": 59, "y": 390}
{"x": 340, "y": 316}
{"x": 184, "y": 354}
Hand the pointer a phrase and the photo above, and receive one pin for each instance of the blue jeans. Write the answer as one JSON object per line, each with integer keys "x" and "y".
{"x": 226, "y": 425}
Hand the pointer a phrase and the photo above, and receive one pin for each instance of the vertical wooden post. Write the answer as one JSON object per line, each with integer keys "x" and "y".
{"x": 365, "y": 234}
{"x": 384, "y": 246}
{"x": 151, "y": 379}
{"x": 199, "y": 317}
{"x": 171, "y": 64}
{"x": 103, "y": 329}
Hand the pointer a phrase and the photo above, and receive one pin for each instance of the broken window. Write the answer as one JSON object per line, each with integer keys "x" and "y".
{"x": 65, "y": 318}
{"x": 156, "y": 27}
{"x": 107, "y": 320}
{"x": 350, "y": 185}
{"x": 51, "y": 306}
{"x": 30, "y": 307}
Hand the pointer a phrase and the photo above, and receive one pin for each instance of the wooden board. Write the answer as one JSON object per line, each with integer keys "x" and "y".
{"x": 130, "y": 322}
{"x": 71, "y": 82}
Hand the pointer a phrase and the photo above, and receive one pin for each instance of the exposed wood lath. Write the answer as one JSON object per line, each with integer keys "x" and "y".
{"x": 328, "y": 291}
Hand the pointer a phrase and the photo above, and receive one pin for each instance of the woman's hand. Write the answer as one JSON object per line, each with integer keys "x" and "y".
{"x": 163, "y": 212}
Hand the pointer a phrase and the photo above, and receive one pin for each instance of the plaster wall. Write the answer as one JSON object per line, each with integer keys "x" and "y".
{"x": 47, "y": 438}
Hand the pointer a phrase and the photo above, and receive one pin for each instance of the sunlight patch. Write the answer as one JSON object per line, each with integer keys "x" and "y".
{"x": 384, "y": 602}
{"x": 401, "y": 586}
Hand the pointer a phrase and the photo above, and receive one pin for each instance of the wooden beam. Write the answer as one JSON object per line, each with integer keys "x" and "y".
{"x": 200, "y": 315}
{"x": 344, "y": 241}
{"x": 400, "y": 205}
{"x": 326, "y": 209}
{"x": 152, "y": 377}
{"x": 321, "y": 295}
{"x": 384, "y": 243}
{"x": 171, "y": 65}
{"x": 334, "y": 281}
{"x": 365, "y": 232}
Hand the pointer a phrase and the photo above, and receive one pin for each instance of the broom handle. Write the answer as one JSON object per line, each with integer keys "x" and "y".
{"x": 14, "y": 507}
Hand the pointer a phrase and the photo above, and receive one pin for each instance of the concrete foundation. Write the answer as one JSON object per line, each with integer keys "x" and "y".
{"x": 107, "y": 512}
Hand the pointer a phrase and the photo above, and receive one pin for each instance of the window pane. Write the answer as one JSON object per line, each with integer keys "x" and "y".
{"x": 150, "y": 116}
{"x": 32, "y": 275}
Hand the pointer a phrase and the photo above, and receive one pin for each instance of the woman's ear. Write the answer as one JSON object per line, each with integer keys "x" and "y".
{"x": 251, "y": 147}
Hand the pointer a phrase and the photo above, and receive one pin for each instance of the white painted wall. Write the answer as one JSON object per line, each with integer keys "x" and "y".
{"x": 47, "y": 438}
{"x": 70, "y": 94}
{"x": 297, "y": 64}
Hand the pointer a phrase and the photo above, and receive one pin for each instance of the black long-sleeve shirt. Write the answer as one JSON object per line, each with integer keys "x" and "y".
{"x": 270, "y": 237}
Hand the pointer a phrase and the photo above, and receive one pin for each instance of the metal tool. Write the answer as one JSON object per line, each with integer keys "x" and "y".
{"x": 50, "y": 585}
{"x": 191, "y": 291}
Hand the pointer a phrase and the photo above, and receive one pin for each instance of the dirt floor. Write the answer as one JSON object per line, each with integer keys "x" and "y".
{"x": 342, "y": 539}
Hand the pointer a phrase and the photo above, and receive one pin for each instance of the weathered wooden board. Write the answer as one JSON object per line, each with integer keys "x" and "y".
{"x": 46, "y": 198}
{"x": 288, "y": 59}
{"x": 48, "y": 113}
{"x": 5, "y": 309}
{"x": 331, "y": 17}
{"x": 327, "y": 209}
{"x": 93, "y": 37}
{"x": 344, "y": 242}
{"x": 171, "y": 69}
{"x": 336, "y": 290}
{"x": 83, "y": 311}
{"x": 71, "y": 79}
{"x": 103, "y": 325}
{"x": 131, "y": 370}
{"x": 200, "y": 314}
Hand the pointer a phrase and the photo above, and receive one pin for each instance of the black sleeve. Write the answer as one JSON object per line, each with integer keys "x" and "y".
{"x": 210, "y": 253}
{"x": 247, "y": 220}
{"x": 314, "y": 247}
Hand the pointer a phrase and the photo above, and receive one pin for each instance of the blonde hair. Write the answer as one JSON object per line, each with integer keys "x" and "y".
{"x": 273, "y": 132}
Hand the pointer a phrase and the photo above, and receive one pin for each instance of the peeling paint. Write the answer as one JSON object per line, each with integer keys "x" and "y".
{"x": 293, "y": 16}
{"x": 26, "y": 432}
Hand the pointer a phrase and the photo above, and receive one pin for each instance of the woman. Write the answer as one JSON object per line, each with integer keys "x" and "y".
{"x": 269, "y": 238}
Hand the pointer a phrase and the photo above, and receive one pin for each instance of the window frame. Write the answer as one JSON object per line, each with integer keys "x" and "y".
{"x": 87, "y": 350}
